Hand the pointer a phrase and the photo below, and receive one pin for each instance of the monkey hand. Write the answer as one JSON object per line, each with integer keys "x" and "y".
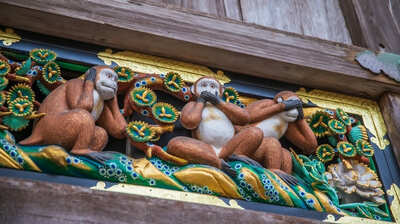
{"x": 301, "y": 112}
{"x": 91, "y": 75}
{"x": 207, "y": 96}
{"x": 291, "y": 104}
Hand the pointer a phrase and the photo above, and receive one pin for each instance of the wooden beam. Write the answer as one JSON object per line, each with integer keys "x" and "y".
{"x": 228, "y": 45}
{"x": 24, "y": 201}
{"x": 390, "y": 107}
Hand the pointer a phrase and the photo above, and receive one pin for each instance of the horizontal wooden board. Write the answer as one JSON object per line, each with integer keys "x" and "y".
{"x": 228, "y": 45}
{"x": 24, "y": 201}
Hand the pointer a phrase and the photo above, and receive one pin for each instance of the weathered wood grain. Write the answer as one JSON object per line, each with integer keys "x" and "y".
{"x": 233, "y": 9}
{"x": 379, "y": 23}
{"x": 232, "y": 46}
{"x": 23, "y": 201}
{"x": 317, "y": 18}
{"x": 352, "y": 23}
{"x": 390, "y": 107}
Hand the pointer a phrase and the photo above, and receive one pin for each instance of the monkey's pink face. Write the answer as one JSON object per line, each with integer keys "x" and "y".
{"x": 107, "y": 84}
{"x": 209, "y": 85}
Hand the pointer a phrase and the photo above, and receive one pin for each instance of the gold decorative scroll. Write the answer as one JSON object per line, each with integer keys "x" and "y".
{"x": 368, "y": 109}
{"x": 8, "y": 36}
{"x": 167, "y": 194}
{"x": 151, "y": 64}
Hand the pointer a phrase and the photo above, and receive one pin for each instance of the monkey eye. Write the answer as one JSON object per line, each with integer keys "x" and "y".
{"x": 212, "y": 86}
{"x": 204, "y": 85}
{"x": 280, "y": 99}
{"x": 109, "y": 75}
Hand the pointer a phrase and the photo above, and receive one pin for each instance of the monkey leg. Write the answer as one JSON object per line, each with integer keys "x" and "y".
{"x": 194, "y": 151}
{"x": 246, "y": 142}
{"x": 286, "y": 164}
{"x": 74, "y": 130}
{"x": 269, "y": 154}
{"x": 100, "y": 139}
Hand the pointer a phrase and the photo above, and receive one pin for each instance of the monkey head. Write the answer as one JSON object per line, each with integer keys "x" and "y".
{"x": 293, "y": 107}
{"x": 207, "y": 84}
{"x": 105, "y": 80}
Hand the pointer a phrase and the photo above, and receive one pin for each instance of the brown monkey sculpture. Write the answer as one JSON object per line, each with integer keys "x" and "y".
{"x": 80, "y": 114}
{"x": 212, "y": 123}
{"x": 282, "y": 116}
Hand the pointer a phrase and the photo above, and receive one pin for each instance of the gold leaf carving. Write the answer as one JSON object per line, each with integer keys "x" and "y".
{"x": 167, "y": 194}
{"x": 151, "y": 64}
{"x": 215, "y": 180}
{"x": 8, "y": 36}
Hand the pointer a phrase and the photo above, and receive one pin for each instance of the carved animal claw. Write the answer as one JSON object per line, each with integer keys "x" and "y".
{"x": 3, "y": 127}
{"x": 2, "y": 66}
{"x": 149, "y": 152}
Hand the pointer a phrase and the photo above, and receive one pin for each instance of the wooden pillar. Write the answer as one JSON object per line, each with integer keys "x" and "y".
{"x": 390, "y": 107}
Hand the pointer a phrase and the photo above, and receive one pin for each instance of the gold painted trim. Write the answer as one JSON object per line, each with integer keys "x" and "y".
{"x": 9, "y": 37}
{"x": 368, "y": 109}
{"x": 143, "y": 63}
{"x": 167, "y": 194}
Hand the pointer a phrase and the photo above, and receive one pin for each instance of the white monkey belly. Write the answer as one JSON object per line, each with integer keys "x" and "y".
{"x": 274, "y": 126}
{"x": 215, "y": 128}
{"x": 98, "y": 105}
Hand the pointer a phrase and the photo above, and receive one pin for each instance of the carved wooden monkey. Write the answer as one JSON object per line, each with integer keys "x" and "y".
{"x": 282, "y": 116}
{"x": 73, "y": 110}
{"x": 212, "y": 123}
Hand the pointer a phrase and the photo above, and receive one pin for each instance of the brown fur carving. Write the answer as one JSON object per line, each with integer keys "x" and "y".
{"x": 282, "y": 116}
{"x": 80, "y": 114}
{"x": 212, "y": 123}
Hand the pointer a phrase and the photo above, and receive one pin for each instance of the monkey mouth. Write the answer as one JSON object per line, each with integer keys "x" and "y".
{"x": 108, "y": 87}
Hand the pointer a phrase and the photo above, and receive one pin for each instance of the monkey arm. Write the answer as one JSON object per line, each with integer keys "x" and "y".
{"x": 262, "y": 109}
{"x": 191, "y": 115}
{"x": 112, "y": 120}
{"x": 79, "y": 94}
{"x": 236, "y": 114}
{"x": 300, "y": 134}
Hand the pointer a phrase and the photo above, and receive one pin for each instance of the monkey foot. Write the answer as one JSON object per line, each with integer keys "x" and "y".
{"x": 244, "y": 159}
{"x": 228, "y": 169}
{"x": 289, "y": 179}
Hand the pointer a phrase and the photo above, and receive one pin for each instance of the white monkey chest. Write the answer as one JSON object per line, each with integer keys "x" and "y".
{"x": 274, "y": 126}
{"x": 215, "y": 128}
{"x": 98, "y": 105}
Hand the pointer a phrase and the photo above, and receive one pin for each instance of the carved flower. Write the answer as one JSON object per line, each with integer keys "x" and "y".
{"x": 355, "y": 181}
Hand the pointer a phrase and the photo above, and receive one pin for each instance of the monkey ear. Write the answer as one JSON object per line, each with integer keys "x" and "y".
{"x": 91, "y": 74}
{"x": 192, "y": 89}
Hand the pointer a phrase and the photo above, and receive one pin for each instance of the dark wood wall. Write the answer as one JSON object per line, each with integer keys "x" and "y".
{"x": 316, "y": 18}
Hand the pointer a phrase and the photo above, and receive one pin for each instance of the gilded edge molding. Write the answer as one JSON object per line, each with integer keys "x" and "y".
{"x": 167, "y": 194}
{"x": 9, "y": 37}
{"x": 152, "y": 64}
{"x": 368, "y": 109}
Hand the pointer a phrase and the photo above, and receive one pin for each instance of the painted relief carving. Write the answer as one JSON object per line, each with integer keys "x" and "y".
{"x": 270, "y": 151}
